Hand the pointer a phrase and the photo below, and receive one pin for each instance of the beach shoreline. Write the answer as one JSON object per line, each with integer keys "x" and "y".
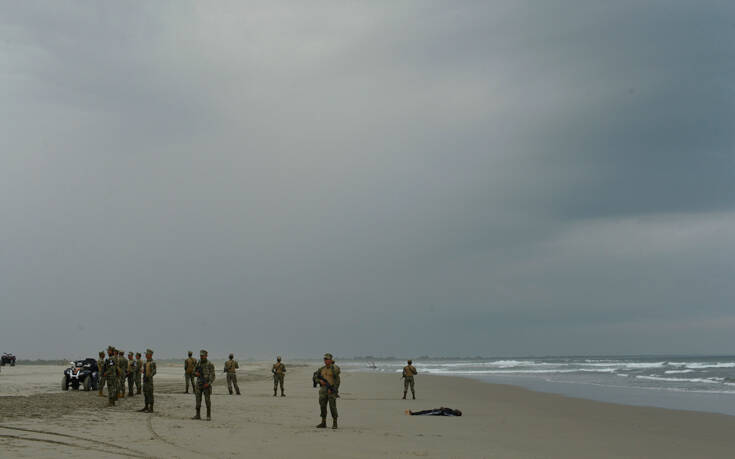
{"x": 498, "y": 421}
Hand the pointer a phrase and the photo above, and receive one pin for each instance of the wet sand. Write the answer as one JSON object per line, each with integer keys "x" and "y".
{"x": 37, "y": 420}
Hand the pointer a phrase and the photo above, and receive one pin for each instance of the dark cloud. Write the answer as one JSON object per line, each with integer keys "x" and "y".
{"x": 423, "y": 178}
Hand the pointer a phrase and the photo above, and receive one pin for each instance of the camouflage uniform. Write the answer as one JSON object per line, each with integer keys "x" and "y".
{"x": 149, "y": 371}
{"x": 100, "y": 368}
{"x": 138, "y": 372}
{"x": 132, "y": 370}
{"x": 110, "y": 371}
{"x": 204, "y": 371}
{"x": 278, "y": 371}
{"x": 123, "y": 362}
{"x": 330, "y": 372}
{"x": 189, "y": 365}
{"x": 231, "y": 367}
{"x": 409, "y": 371}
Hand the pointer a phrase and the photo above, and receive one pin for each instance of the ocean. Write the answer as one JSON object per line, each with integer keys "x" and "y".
{"x": 702, "y": 383}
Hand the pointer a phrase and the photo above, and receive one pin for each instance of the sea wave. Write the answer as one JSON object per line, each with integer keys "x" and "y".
{"x": 683, "y": 380}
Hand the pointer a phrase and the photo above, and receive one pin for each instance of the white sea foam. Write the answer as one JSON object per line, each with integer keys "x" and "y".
{"x": 500, "y": 371}
{"x": 705, "y": 365}
{"x": 683, "y": 380}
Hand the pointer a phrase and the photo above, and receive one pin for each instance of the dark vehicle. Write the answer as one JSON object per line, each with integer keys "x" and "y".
{"x": 81, "y": 374}
{"x": 8, "y": 359}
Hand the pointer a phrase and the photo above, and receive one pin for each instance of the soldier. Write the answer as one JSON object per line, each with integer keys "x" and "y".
{"x": 409, "y": 371}
{"x": 149, "y": 371}
{"x": 189, "y": 372}
{"x": 328, "y": 374}
{"x": 110, "y": 373}
{"x": 204, "y": 372}
{"x": 231, "y": 367}
{"x": 132, "y": 370}
{"x": 100, "y": 367}
{"x": 123, "y": 365}
{"x": 138, "y": 372}
{"x": 278, "y": 371}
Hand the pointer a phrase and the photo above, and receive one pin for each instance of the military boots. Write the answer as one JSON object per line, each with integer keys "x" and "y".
{"x": 334, "y": 423}
{"x": 404, "y": 396}
{"x": 323, "y": 424}
{"x": 198, "y": 415}
{"x": 209, "y": 413}
{"x": 144, "y": 409}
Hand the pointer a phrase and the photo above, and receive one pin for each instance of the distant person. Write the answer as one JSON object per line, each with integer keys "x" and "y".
{"x": 409, "y": 371}
{"x": 279, "y": 372}
{"x": 132, "y": 369}
{"x": 138, "y": 372}
{"x": 231, "y": 367}
{"x": 111, "y": 375}
{"x": 100, "y": 367}
{"x": 189, "y": 364}
{"x": 204, "y": 372}
{"x": 328, "y": 379}
{"x": 149, "y": 371}
{"x": 123, "y": 362}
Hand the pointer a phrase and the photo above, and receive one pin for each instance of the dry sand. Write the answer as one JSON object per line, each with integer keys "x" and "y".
{"x": 499, "y": 421}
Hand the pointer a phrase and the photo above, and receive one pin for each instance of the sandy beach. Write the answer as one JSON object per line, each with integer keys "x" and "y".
{"x": 37, "y": 420}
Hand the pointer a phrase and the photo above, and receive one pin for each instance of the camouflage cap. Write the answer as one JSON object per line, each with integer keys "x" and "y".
{"x": 137, "y": 354}
{"x": 190, "y": 353}
{"x": 278, "y": 357}
{"x": 328, "y": 356}
{"x": 111, "y": 348}
{"x": 203, "y": 352}
{"x": 102, "y": 352}
{"x": 149, "y": 351}
{"x": 130, "y": 352}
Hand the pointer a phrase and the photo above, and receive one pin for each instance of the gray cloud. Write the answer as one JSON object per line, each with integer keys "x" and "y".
{"x": 423, "y": 178}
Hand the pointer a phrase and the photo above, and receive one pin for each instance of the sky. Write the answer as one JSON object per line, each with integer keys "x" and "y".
{"x": 445, "y": 178}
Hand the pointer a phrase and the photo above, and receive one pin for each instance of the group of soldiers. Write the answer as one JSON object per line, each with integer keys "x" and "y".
{"x": 115, "y": 369}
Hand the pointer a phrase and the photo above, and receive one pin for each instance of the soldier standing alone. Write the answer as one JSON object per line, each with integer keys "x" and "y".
{"x": 409, "y": 371}
{"x": 149, "y": 371}
{"x": 329, "y": 373}
{"x": 100, "y": 369}
{"x": 204, "y": 372}
{"x": 231, "y": 367}
{"x": 189, "y": 364}
{"x": 278, "y": 371}
{"x": 110, "y": 373}
{"x": 138, "y": 372}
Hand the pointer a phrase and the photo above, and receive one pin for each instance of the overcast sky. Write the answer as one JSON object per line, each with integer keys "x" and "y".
{"x": 387, "y": 178}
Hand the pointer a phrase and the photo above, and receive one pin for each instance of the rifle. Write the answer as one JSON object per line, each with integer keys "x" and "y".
{"x": 200, "y": 378}
{"x": 318, "y": 377}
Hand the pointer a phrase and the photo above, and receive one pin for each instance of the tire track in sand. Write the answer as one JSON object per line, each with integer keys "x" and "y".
{"x": 168, "y": 442}
{"x": 119, "y": 450}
